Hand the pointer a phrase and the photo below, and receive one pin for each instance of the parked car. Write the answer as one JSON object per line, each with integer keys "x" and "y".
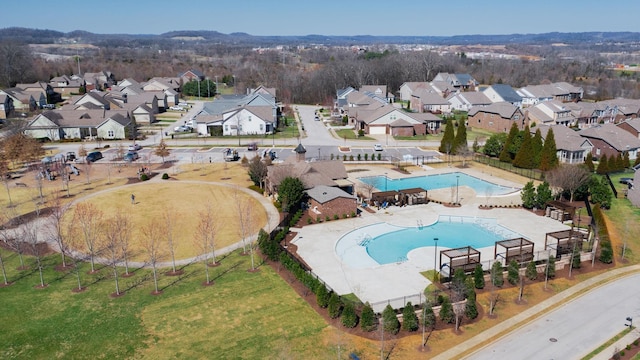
{"x": 252, "y": 146}
{"x": 135, "y": 147}
{"x": 176, "y": 108}
{"x": 377, "y": 147}
{"x": 94, "y": 156}
{"x": 49, "y": 106}
{"x": 182, "y": 128}
{"x": 626, "y": 180}
{"x": 131, "y": 156}
{"x": 183, "y": 103}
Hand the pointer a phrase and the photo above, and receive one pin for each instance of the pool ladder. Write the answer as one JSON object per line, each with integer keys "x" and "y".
{"x": 366, "y": 238}
{"x": 420, "y": 225}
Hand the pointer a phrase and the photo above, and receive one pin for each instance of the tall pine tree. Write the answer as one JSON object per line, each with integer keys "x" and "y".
{"x": 536, "y": 146}
{"x": 505, "y": 154}
{"x": 549, "y": 159}
{"x": 603, "y": 165}
{"x": 460, "y": 141}
{"x": 524, "y": 158}
{"x": 447, "y": 144}
{"x": 588, "y": 161}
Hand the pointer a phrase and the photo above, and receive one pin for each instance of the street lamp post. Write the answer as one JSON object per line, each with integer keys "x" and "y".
{"x": 318, "y": 154}
{"x": 457, "y": 184}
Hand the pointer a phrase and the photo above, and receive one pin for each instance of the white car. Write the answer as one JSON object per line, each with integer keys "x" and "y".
{"x": 377, "y": 147}
{"x": 135, "y": 147}
{"x": 182, "y": 129}
{"x": 176, "y": 108}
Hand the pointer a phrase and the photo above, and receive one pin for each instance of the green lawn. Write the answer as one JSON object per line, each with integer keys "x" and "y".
{"x": 351, "y": 135}
{"x": 243, "y": 315}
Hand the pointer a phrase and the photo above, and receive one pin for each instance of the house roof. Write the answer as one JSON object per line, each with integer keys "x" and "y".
{"x": 504, "y": 109}
{"x": 429, "y": 97}
{"x": 506, "y": 92}
{"x": 565, "y": 137}
{"x": 375, "y": 89}
{"x": 416, "y": 85}
{"x": 83, "y": 118}
{"x": 634, "y": 123}
{"x": 616, "y": 137}
{"x": 312, "y": 174}
{"x": 474, "y": 98}
{"x": 324, "y": 194}
{"x": 465, "y": 79}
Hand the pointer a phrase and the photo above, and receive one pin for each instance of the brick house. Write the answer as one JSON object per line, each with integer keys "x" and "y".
{"x": 632, "y": 126}
{"x": 328, "y": 202}
{"x": 496, "y": 117}
{"x": 611, "y": 140}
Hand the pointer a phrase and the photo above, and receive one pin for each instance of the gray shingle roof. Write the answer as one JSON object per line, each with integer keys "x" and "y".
{"x": 504, "y": 109}
{"x": 617, "y": 138}
{"x": 324, "y": 194}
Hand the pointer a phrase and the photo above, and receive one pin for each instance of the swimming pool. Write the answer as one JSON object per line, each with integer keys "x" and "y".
{"x": 440, "y": 181}
{"x": 384, "y": 243}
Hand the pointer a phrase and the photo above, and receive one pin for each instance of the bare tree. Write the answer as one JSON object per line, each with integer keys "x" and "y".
{"x": 458, "y": 311}
{"x": 30, "y": 235}
{"x": 12, "y": 234}
{"x": 75, "y": 242}
{"x": 569, "y": 178}
{"x": 245, "y": 219}
{"x": 5, "y": 174}
{"x": 56, "y": 229}
{"x": 154, "y": 249}
{"x": 122, "y": 223}
{"x": 17, "y": 63}
{"x": 169, "y": 217}
{"x": 205, "y": 238}
{"x": 162, "y": 150}
{"x": 87, "y": 216}
{"x": 112, "y": 248}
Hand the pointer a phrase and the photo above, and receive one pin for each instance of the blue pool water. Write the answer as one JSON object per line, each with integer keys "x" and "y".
{"x": 452, "y": 233}
{"x": 431, "y": 182}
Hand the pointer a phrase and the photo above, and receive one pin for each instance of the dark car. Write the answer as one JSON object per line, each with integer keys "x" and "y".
{"x": 94, "y": 156}
{"x": 131, "y": 156}
{"x": 252, "y": 146}
{"x": 626, "y": 181}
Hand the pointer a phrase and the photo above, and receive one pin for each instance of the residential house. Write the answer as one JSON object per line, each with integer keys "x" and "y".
{"x": 571, "y": 147}
{"x": 497, "y": 117}
{"x": 232, "y": 115}
{"x": 466, "y": 100}
{"x": 379, "y": 91}
{"x": 66, "y": 85}
{"x": 22, "y": 101}
{"x": 502, "y": 93}
{"x": 407, "y": 89}
{"x": 42, "y": 92}
{"x": 560, "y": 91}
{"x": 463, "y": 82}
{"x": 424, "y": 100}
{"x": 341, "y": 98}
{"x": 191, "y": 75}
{"x": 328, "y": 202}
{"x": 56, "y": 125}
{"x": 162, "y": 84}
{"x": 102, "y": 80}
{"x": 632, "y": 126}
{"x": 587, "y": 114}
{"x": 92, "y": 100}
{"x": 443, "y": 88}
{"x": 622, "y": 109}
{"x": 611, "y": 140}
{"x": 550, "y": 113}
{"x": 387, "y": 119}
{"x": 6, "y": 106}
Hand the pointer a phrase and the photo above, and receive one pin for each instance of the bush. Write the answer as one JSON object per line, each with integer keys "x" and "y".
{"x": 349, "y": 316}
{"x": 497, "y": 278}
{"x": 353, "y": 214}
{"x": 478, "y": 277}
{"x": 513, "y": 273}
{"x": 335, "y": 305}
{"x": 368, "y": 318}
{"x": 322, "y": 295}
{"x": 409, "y": 318}
{"x": 379, "y": 156}
{"x": 144, "y": 177}
{"x": 327, "y": 218}
{"x": 551, "y": 268}
{"x": 336, "y": 217}
{"x": 309, "y": 221}
{"x": 360, "y": 133}
{"x": 446, "y": 311}
{"x": 366, "y": 157}
{"x": 390, "y": 321}
{"x": 471, "y": 309}
{"x": 344, "y": 157}
{"x": 532, "y": 272}
{"x": 165, "y": 176}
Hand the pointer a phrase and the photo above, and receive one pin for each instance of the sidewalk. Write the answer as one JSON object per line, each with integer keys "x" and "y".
{"x": 469, "y": 347}
{"x": 607, "y": 353}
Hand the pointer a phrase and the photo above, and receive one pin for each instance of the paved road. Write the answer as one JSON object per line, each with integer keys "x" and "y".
{"x": 574, "y": 329}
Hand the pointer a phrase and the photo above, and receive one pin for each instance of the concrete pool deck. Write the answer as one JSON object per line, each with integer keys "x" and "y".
{"x": 400, "y": 282}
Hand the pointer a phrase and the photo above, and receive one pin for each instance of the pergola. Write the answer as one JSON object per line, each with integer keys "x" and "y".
{"x": 519, "y": 249}
{"x": 465, "y": 258}
{"x": 564, "y": 241}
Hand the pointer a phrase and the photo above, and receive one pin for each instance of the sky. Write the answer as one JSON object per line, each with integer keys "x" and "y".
{"x": 325, "y": 17}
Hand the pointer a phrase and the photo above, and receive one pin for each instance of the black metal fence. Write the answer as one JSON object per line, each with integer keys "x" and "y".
{"x": 533, "y": 174}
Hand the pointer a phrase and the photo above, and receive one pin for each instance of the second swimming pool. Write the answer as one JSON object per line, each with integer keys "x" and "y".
{"x": 385, "y": 244}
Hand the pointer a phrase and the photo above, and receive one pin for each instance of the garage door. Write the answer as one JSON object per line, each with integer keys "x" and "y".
{"x": 377, "y": 130}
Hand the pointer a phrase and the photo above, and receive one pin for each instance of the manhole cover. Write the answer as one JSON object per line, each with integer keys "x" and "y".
{"x": 553, "y": 340}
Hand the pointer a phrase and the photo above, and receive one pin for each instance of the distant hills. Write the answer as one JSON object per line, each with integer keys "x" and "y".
{"x": 38, "y": 36}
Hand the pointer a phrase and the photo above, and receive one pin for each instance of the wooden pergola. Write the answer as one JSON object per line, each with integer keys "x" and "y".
{"x": 564, "y": 240}
{"x": 465, "y": 258}
{"x": 518, "y": 249}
